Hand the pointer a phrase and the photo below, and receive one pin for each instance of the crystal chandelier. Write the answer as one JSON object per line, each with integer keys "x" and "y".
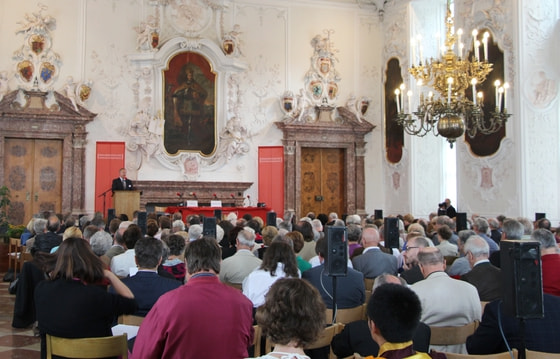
{"x": 451, "y": 113}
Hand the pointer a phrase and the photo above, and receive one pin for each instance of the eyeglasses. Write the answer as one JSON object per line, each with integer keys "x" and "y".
{"x": 407, "y": 248}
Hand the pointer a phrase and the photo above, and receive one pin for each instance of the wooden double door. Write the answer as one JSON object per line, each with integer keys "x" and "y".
{"x": 323, "y": 187}
{"x": 33, "y": 173}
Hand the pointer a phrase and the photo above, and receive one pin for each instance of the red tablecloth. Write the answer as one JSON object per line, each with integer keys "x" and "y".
{"x": 209, "y": 211}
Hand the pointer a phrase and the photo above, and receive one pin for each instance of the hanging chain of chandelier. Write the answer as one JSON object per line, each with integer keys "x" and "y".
{"x": 450, "y": 113}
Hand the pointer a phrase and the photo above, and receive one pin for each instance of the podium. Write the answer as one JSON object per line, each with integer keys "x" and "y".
{"x": 126, "y": 202}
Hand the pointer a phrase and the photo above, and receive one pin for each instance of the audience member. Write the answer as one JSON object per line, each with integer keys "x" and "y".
{"x": 539, "y": 334}
{"x": 146, "y": 285}
{"x": 356, "y": 337}
{"x": 446, "y": 248}
{"x": 195, "y": 232}
{"x": 495, "y": 230}
{"x": 413, "y": 273}
{"x": 354, "y": 236}
{"x": 201, "y": 319}
{"x": 527, "y": 227}
{"x": 350, "y": 290}
{"x": 461, "y": 265}
{"x": 71, "y": 305}
{"x": 123, "y": 264}
{"x": 445, "y": 301}
{"x": 279, "y": 261}
{"x": 306, "y": 229}
{"x": 292, "y": 317}
{"x": 49, "y": 238}
{"x": 550, "y": 260}
{"x": 237, "y": 267}
{"x": 175, "y": 262}
{"x": 373, "y": 262}
{"x": 484, "y": 276}
{"x": 480, "y": 226}
{"x": 268, "y": 233}
{"x": 100, "y": 243}
{"x": 394, "y": 315}
{"x": 39, "y": 227}
{"x": 297, "y": 240}
{"x": 511, "y": 230}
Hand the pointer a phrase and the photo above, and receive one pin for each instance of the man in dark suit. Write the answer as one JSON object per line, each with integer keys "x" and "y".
{"x": 44, "y": 242}
{"x": 484, "y": 276}
{"x": 413, "y": 273}
{"x": 122, "y": 183}
{"x": 540, "y": 334}
{"x": 373, "y": 262}
{"x": 356, "y": 337}
{"x": 147, "y": 286}
{"x": 350, "y": 290}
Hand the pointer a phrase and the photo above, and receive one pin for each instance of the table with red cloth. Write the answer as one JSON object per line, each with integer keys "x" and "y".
{"x": 209, "y": 211}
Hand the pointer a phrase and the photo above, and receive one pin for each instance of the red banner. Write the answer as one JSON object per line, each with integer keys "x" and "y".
{"x": 109, "y": 158}
{"x": 271, "y": 178}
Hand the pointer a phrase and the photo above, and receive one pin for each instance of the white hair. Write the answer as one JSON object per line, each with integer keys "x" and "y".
{"x": 195, "y": 232}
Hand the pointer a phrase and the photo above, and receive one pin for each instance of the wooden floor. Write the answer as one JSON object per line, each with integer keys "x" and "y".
{"x": 14, "y": 343}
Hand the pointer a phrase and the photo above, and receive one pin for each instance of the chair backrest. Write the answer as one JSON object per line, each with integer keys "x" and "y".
{"x": 234, "y": 285}
{"x": 504, "y": 355}
{"x": 531, "y": 354}
{"x": 483, "y": 305}
{"x": 257, "y": 335}
{"x": 346, "y": 316}
{"x": 452, "y": 335}
{"x": 13, "y": 253}
{"x": 130, "y": 319}
{"x": 87, "y": 348}
{"x": 324, "y": 339}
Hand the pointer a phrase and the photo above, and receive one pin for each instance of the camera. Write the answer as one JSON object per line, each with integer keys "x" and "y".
{"x": 442, "y": 204}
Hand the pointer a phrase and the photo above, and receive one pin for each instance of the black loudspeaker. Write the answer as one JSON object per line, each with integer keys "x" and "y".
{"x": 110, "y": 215}
{"x": 271, "y": 219}
{"x": 218, "y": 214}
{"x": 522, "y": 278}
{"x": 461, "y": 219}
{"x": 142, "y": 217}
{"x": 209, "y": 227}
{"x": 378, "y": 214}
{"x": 337, "y": 251}
{"x": 391, "y": 232}
{"x": 539, "y": 215}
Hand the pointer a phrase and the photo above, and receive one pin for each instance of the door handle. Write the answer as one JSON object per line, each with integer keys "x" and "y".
{"x": 36, "y": 197}
{"x": 319, "y": 198}
{"x": 27, "y": 196}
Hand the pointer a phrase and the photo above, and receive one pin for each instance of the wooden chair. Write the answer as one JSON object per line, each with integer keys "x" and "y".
{"x": 86, "y": 348}
{"x": 449, "y": 260}
{"x": 346, "y": 316}
{"x": 368, "y": 283}
{"x": 531, "y": 354}
{"x": 257, "y": 335}
{"x": 504, "y": 355}
{"x": 452, "y": 335}
{"x": 234, "y": 285}
{"x": 325, "y": 339}
{"x": 130, "y": 319}
{"x": 13, "y": 254}
{"x": 23, "y": 257}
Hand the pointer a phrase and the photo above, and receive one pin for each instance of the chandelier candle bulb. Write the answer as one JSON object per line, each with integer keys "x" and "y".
{"x": 474, "y": 35}
{"x": 402, "y": 87}
{"x": 480, "y": 97}
{"x": 459, "y": 34}
{"x": 497, "y": 84}
{"x": 461, "y": 46}
{"x": 485, "y": 42}
{"x": 477, "y": 50}
{"x": 409, "y": 95}
{"x": 397, "y": 93}
{"x": 506, "y": 86}
{"x": 501, "y": 94}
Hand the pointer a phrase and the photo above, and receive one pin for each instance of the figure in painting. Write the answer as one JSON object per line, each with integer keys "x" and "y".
{"x": 188, "y": 102}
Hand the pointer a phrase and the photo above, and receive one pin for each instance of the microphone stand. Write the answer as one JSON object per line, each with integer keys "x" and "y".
{"x": 104, "y": 199}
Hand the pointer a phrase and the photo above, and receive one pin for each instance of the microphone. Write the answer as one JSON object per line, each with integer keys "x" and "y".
{"x": 216, "y": 197}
